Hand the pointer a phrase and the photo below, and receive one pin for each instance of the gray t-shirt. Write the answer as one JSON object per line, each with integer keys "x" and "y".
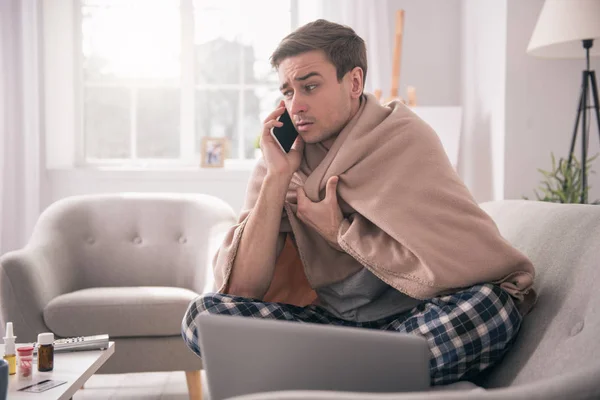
{"x": 364, "y": 297}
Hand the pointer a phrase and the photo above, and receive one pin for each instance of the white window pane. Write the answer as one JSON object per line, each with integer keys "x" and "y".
{"x": 259, "y": 103}
{"x": 234, "y": 38}
{"x": 107, "y": 122}
{"x": 158, "y": 116}
{"x": 217, "y": 115}
{"x": 264, "y": 38}
{"x": 220, "y": 62}
{"x": 131, "y": 39}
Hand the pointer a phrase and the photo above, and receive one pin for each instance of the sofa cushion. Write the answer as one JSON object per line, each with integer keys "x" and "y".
{"x": 119, "y": 311}
{"x": 560, "y": 334}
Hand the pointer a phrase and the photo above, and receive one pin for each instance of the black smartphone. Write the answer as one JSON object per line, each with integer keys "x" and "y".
{"x": 286, "y": 135}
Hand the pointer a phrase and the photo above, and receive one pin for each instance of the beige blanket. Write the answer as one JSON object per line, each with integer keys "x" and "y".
{"x": 409, "y": 218}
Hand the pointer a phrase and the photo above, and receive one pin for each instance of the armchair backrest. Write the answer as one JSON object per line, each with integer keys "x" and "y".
{"x": 139, "y": 239}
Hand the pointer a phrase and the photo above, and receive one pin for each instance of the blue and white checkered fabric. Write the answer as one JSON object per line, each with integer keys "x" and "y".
{"x": 467, "y": 331}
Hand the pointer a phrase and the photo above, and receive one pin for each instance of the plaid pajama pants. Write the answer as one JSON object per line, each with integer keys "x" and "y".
{"x": 467, "y": 331}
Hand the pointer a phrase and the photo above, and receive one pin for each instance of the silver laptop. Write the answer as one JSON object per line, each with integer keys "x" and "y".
{"x": 243, "y": 355}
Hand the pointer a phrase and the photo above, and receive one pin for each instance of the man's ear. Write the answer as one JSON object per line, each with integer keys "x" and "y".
{"x": 356, "y": 82}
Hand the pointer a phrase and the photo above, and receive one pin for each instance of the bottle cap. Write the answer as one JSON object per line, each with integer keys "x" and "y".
{"x": 9, "y": 330}
{"x": 25, "y": 350}
{"x": 45, "y": 338}
{"x": 9, "y": 340}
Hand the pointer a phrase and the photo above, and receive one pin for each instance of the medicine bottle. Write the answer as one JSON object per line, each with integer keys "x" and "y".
{"x": 9, "y": 349}
{"x": 25, "y": 363}
{"x": 45, "y": 352}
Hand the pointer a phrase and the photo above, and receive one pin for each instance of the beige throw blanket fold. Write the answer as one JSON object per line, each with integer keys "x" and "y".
{"x": 409, "y": 218}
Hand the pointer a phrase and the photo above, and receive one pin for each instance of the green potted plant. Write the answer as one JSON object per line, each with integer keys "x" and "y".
{"x": 562, "y": 184}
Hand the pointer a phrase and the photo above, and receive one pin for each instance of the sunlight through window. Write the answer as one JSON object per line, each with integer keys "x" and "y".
{"x": 159, "y": 75}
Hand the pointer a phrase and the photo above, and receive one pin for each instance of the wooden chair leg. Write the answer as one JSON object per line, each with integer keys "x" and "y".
{"x": 194, "y": 384}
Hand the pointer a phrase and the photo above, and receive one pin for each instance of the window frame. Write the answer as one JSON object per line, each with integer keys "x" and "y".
{"x": 188, "y": 156}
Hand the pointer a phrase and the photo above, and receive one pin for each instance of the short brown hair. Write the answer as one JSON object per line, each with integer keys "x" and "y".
{"x": 341, "y": 45}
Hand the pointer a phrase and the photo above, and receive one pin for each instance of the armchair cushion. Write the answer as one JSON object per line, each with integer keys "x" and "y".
{"x": 119, "y": 311}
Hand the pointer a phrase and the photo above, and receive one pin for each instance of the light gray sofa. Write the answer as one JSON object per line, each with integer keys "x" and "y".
{"x": 557, "y": 355}
{"x": 123, "y": 264}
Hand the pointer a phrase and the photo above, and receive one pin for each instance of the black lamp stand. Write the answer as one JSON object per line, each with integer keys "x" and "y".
{"x": 588, "y": 80}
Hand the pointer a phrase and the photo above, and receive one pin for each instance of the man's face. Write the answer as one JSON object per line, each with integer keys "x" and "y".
{"x": 319, "y": 105}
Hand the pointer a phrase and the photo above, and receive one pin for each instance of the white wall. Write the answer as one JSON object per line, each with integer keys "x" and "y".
{"x": 483, "y": 70}
{"x": 541, "y": 104}
{"x": 228, "y": 185}
{"x": 517, "y": 108}
{"x": 431, "y": 50}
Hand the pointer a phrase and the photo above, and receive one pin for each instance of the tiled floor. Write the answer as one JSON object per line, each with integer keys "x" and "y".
{"x": 147, "y": 386}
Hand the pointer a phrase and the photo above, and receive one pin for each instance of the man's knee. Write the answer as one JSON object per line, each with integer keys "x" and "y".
{"x": 212, "y": 303}
{"x": 485, "y": 312}
{"x": 491, "y": 303}
{"x": 481, "y": 327}
{"x": 205, "y": 303}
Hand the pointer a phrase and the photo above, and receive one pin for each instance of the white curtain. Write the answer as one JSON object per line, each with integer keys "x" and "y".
{"x": 372, "y": 21}
{"x": 21, "y": 158}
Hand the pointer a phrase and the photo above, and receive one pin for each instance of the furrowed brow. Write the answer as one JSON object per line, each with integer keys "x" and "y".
{"x": 300, "y": 78}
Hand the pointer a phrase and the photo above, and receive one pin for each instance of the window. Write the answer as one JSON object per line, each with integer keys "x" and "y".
{"x": 159, "y": 75}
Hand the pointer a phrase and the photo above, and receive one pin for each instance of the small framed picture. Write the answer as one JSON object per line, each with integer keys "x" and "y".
{"x": 214, "y": 151}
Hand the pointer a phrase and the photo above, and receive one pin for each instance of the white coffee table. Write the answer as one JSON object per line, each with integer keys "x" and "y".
{"x": 74, "y": 367}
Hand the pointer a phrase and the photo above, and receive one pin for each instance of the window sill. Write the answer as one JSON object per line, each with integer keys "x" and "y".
{"x": 228, "y": 183}
{"x": 238, "y": 172}
{"x": 230, "y": 166}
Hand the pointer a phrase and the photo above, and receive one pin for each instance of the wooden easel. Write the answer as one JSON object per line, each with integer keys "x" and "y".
{"x": 394, "y": 91}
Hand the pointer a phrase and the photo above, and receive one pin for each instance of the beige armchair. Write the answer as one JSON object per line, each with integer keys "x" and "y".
{"x": 123, "y": 264}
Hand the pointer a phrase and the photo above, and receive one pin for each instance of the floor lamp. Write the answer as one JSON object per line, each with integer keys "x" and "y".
{"x": 567, "y": 29}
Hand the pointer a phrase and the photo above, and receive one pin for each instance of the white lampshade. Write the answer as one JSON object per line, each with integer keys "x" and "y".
{"x": 561, "y": 27}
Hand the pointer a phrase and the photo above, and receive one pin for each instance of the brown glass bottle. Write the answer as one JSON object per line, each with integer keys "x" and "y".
{"x": 45, "y": 352}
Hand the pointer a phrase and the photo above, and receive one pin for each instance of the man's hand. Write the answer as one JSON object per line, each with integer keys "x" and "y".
{"x": 279, "y": 163}
{"x": 325, "y": 216}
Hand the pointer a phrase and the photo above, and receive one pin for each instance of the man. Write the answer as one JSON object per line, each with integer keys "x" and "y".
{"x": 365, "y": 223}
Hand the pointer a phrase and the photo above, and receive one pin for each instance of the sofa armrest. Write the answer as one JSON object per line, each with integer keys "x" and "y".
{"x": 29, "y": 279}
{"x": 204, "y": 280}
{"x": 580, "y": 384}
